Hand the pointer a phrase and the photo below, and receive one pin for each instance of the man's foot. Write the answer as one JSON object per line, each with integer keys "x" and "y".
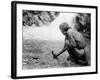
{"x": 54, "y": 55}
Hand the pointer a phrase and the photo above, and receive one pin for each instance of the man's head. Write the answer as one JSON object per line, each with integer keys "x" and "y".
{"x": 64, "y": 27}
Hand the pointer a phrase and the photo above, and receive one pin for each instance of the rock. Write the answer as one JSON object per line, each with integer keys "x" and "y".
{"x": 38, "y": 18}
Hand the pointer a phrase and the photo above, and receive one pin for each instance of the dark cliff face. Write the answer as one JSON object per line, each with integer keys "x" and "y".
{"x": 83, "y": 24}
{"x": 38, "y": 18}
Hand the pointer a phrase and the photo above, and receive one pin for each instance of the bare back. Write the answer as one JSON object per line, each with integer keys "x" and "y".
{"x": 76, "y": 39}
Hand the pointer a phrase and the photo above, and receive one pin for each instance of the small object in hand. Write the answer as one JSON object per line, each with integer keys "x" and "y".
{"x": 54, "y": 55}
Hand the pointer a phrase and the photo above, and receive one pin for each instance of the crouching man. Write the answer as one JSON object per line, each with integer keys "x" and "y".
{"x": 75, "y": 44}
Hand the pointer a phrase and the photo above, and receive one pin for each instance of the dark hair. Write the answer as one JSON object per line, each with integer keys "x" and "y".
{"x": 64, "y": 26}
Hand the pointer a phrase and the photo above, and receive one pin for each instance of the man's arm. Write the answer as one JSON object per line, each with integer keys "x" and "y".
{"x": 72, "y": 41}
{"x": 63, "y": 50}
{"x": 56, "y": 55}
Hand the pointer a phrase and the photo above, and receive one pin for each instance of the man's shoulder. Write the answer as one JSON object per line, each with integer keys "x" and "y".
{"x": 72, "y": 32}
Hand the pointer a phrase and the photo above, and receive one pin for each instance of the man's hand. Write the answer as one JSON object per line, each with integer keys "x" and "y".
{"x": 54, "y": 55}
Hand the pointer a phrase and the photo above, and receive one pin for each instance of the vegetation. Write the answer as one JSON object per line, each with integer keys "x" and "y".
{"x": 83, "y": 24}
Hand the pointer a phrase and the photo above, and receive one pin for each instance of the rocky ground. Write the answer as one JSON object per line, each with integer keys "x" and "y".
{"x": 38, "y": 55}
